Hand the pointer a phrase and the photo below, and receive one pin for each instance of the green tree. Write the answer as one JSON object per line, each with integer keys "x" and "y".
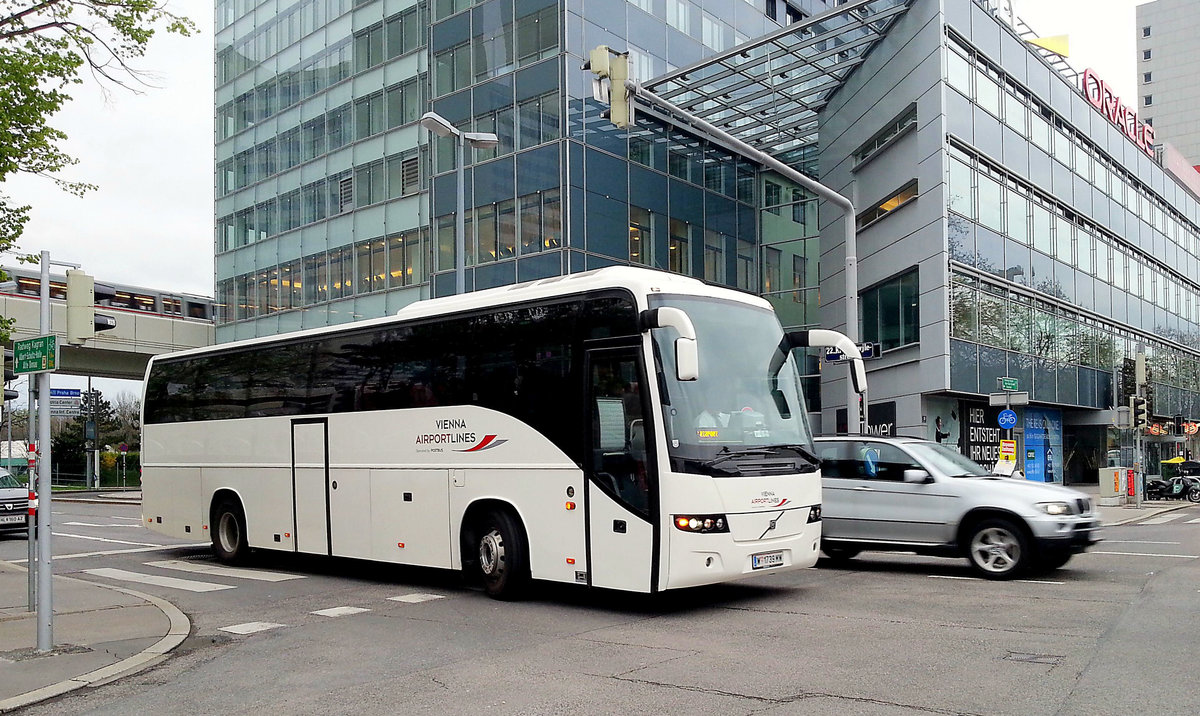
{"x": 45, "y": 47}
{"x": 69, "y": 444}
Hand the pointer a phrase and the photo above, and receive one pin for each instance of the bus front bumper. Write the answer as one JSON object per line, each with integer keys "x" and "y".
{"x": 698, "y": 559}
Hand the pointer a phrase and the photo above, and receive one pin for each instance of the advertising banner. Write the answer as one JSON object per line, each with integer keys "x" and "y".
{"x": 941, "y": 417}
{"x": 1043, "y": 445}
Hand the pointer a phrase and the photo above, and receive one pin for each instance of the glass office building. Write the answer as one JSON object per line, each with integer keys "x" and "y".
{"x": 1006, "y": 226}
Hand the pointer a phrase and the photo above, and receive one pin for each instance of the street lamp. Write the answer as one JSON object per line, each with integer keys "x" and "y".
{"x": 440, "y": 126}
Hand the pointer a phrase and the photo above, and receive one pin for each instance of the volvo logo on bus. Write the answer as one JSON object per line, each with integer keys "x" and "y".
{"x": 454, "y": 433}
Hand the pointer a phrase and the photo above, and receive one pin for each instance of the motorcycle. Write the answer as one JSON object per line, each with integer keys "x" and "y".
{"x": 1177, "y": 488}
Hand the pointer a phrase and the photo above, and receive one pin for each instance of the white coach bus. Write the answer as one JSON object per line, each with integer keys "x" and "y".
{"x": 620, "y": 428}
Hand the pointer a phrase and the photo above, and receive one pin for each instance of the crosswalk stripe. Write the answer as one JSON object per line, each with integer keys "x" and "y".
{"x": 1158, "y": 520}
{"x": 172, "y": 582}
{"x": 102, "y": 539}
{"x": 1146, "y": 554}
{"x": 1195, "y": 521}
{"x": 251, "y": 627}
{"x": 219, "y": 571}
{"x": 339, "y": 611}
{"x": 416, "y": 598}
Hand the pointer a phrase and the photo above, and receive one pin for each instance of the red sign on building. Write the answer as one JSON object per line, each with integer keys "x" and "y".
{"x": 1104, "y": 99}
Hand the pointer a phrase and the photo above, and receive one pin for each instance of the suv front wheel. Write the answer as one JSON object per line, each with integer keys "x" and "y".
{"x": 998, "y": 549}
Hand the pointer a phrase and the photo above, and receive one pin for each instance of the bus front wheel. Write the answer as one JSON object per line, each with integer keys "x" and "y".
{"x": 503, "y": 558}
{"x": 228, "y": 528}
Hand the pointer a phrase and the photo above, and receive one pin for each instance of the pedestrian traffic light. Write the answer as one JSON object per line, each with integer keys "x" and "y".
{"x": 613, "y": 66}
{"x": 82, "y": 320}
{"x": 1141, "y": 412}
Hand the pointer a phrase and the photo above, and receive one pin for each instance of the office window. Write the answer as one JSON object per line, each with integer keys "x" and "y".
{"x": 369, "y": 115}
{"x": 902, "y": 196}
{"x": 679, "y": 14}
{"x": 641, "y": 235}
{"x": 714, "y": 256}
{"x": 679, "y": 247}
{"x": 908, "y": 118}
{"x": 537, "y": 35}
{"x": 452, "y": 69}
{"x": 890, "y": 312}
{"x": 774, "y": 197}
{"x": 1148, "y": 100}
{"x": 368, "y": 47}
{"x": 1147, "y": 76}
{"x": 1146, "y": 54}
{"x": 1146, "y": 31}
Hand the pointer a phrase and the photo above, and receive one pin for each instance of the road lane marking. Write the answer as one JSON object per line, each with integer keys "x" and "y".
{"x": 220, "y": 571}
{"x": 171, "y": 582}
{"x": 339, "y": 611}
{"x": 1136, "y": 541}
{"x": 416, "y": 598}
{"x": 947, "y": 576}
{"x": 102, "y": 539}
{"x": 1195, "y": 521}
{"x": 251, "y": 627}
{"x": 1147, "y": 554}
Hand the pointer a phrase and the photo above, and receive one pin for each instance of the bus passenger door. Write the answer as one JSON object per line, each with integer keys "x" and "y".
{"x": 621, "y": 484}
{"x": 310, "y": 486}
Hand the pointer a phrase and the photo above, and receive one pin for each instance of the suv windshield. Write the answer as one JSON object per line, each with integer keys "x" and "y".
{"x": 946, "y": 461}
{"x": 7, "y": 481}
{"x": 745, "y": 415}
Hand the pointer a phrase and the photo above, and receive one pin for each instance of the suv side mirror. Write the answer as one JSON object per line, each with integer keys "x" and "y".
{"x": 917, "y": 476}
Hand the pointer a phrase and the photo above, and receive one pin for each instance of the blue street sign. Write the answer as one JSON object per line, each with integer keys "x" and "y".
{"x": 1007, "y": 419}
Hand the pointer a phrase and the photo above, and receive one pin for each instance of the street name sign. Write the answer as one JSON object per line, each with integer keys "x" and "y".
{"x": 35, "y": 355}
{"x": 869, "y": 351}
{"x": 1008, "y": 384}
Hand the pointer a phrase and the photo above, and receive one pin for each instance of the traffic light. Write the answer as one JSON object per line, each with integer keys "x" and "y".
{"x": 1141, "y": 412}
{"x": 613, "y": 66}
{"x": 9, "y": 375}
{"x": 82, "y": 320}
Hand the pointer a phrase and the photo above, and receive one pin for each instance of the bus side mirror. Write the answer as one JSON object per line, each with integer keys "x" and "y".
{"x": 687, "y": 355}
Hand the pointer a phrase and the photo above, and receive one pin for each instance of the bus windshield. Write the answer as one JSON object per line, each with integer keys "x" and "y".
{"x": 745, "y": 415}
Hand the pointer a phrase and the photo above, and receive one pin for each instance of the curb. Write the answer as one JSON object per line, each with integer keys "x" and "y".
{"x": 1157, "y": 511}
{"x": 180, "y": 627}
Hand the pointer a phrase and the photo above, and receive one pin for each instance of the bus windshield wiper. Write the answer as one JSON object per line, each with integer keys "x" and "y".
{"x": 725, "y": 453}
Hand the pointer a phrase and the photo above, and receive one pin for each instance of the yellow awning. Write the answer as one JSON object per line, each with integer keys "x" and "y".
{"x": 1173, "y": 460}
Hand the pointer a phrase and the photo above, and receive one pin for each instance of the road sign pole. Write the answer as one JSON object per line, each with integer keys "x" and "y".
{"x": 31, "y": 483}
{"x": 45, "y": 596}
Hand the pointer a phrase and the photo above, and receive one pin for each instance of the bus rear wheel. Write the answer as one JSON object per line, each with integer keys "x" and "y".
{"x": 228, "y": 526}
{"x": 503, "y": 557}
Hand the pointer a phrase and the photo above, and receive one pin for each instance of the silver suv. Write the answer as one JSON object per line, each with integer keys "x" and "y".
{"x": 14, "y": 502}
{"x": 919, "y": 496}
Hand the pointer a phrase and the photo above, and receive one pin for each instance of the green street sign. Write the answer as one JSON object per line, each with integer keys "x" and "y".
{"x": 1008, "y": 384}
{"x": 35, "y": 355}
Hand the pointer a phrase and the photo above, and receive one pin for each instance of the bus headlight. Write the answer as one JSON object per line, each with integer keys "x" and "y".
{"x": 704, "y": 524}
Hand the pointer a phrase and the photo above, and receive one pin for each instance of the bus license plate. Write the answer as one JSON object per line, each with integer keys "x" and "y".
{"x": 10, "y": 519}
{"x": 766, "y": 560}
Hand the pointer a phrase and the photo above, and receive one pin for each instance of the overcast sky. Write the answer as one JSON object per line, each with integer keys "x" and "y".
{"x": 150, "y": 222}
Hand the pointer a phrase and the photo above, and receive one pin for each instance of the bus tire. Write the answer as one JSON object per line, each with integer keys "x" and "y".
{"x": 228, "y": 528}
{"x": 502, "y": 559}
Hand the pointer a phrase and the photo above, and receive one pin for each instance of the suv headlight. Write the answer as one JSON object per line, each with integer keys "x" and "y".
{"x": 1054, "y": 508}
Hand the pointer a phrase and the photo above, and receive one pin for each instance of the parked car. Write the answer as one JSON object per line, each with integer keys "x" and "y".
{"x": 915, "y": 495}
{"x": 14, "y": 503}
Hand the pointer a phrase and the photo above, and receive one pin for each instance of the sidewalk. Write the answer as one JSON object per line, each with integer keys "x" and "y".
{"x": 100, "y": 633}
{"x": 1121, "y": 514}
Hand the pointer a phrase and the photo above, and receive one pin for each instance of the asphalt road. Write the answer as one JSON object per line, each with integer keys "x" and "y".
{"x": 1115, "y": 632}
